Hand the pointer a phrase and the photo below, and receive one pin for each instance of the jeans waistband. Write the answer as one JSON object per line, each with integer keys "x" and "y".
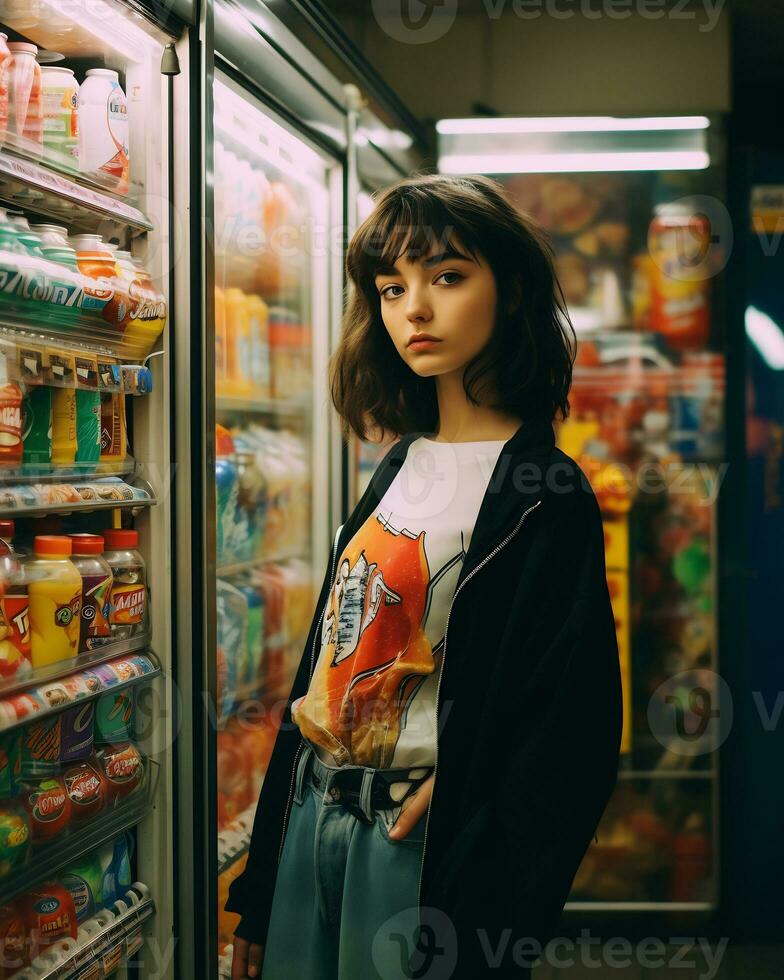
{"x": 361, "y": 789}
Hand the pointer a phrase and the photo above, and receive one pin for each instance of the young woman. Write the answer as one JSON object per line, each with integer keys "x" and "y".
{"x": 452, "y": 735}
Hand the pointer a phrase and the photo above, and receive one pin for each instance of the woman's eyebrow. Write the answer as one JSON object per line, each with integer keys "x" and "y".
{"x": 391, "y": 270}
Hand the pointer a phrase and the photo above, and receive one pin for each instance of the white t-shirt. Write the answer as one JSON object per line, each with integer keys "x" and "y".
{"x": 371, "y": 699}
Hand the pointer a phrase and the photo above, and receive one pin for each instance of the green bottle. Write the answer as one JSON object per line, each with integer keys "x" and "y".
{"x": 88, "y": 426}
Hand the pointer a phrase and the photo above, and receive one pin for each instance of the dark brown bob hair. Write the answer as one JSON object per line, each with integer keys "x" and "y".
{"x": 526, "y": 365}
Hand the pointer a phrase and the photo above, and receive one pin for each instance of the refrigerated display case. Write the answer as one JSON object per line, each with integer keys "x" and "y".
{"x": 85, "y": 323}
{"x": 266, "y": 258}
{"x": 636, "y": 212}
{"x": 272, "y": 187}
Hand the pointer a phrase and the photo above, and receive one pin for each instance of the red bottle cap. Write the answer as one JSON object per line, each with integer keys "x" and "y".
{"x": 7, "y": 529}
{"x": 86, "y": 544}
{"x": 52, "y": 544}
{"x": 117, "y": 539}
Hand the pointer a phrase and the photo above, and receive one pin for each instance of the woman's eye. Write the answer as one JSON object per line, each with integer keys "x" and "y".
{"x": 385, "y": 292}
{"x": 457, "y": 278}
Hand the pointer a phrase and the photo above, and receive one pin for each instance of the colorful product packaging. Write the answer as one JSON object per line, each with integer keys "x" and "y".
{"x": 15, "y": 837}
{"x": 37, "y": 426}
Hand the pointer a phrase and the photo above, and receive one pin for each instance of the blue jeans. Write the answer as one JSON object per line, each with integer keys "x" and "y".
{"x": 345, "y": 903}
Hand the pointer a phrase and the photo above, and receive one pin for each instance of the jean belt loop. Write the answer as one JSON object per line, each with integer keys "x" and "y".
{"x": 365, "y": 795}
{"x": 302, "y": 769}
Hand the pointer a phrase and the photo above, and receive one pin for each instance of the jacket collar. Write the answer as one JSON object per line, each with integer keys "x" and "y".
{"x": 517, "y": 482}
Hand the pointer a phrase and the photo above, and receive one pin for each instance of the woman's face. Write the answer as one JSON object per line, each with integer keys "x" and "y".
{"x": 447, "y": 295}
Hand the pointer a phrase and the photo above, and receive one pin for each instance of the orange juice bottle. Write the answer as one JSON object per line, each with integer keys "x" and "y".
{"x": 55, "y": 600}
{"x": 238, "y": 343}
{"x": 258, "y": 314}
{"x": 221, "y": 346}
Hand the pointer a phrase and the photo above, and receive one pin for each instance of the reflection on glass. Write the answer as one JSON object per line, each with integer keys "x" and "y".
{"x": 637, "y": 262}
{"x": 271, "y": 205}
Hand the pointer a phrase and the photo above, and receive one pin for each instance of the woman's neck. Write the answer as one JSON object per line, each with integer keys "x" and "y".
{"x": 461, "y": 421}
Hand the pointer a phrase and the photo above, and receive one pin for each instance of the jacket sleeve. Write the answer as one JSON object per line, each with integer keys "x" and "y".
{"x": 557, "y": 780}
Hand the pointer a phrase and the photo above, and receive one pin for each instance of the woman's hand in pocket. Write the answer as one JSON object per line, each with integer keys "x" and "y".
{"x": 247, "y": 959}
{"x": 412, "y": 809}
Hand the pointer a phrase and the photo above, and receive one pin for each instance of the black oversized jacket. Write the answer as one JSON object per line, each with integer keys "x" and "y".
{"x": 529, "y": 713}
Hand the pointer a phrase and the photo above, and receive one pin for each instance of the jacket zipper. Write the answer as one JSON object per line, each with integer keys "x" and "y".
{"x": 470, "y": 575}
{"x": 312, "y": 657}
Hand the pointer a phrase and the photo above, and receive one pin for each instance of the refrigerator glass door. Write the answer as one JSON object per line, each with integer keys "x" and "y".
{"x": 84, "y": 195}
{"x": 273, "y": 194}
{"x": 636, "y": 257}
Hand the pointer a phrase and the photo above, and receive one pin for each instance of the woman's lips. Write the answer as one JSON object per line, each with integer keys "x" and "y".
{"x": 422, "y": 344}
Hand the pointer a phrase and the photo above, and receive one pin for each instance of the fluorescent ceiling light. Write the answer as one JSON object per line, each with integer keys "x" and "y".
{"x": 766, "y": 336}
{"x": 524, "y": 163}
{"x": 569, "y": 124}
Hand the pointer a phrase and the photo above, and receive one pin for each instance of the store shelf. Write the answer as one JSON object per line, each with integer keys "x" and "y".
{"x": 78, "y": 687}
{"x": 35, "y": 187}
{"x": 48, "y": 859}
{"x": 82, "y": 473}
{"x": 63, "y": 668}
{"x": 111, "y": 937}
{"x": 39, "y": 500}
{"x": 235, "y": 568}
{"x": 84, "y": 354}
{"x": 267, "y": 406}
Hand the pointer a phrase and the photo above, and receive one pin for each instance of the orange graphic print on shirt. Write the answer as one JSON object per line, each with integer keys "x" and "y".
{"x": 374, "y": 651}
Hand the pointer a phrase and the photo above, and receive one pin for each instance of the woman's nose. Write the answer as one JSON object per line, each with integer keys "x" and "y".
{"x": 417, "y": 308}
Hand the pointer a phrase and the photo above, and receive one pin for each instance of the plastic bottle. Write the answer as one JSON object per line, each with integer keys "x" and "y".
{"x": 11, "y": 444}
{"x": 238, "y": 347}
{"x": 96, "y": 261}
{"x": 97, "y": 581}
{"x": 61, "y": 116}
{"x": 30, "y": 239}
{"x": 258, "y": 313}
{"x": 25, "y": 99}
{"x": 67, "y": 293}
{"x": 227, "y": 490}
{"x": 55, "y": 590}
{"x": 88, "y": 426}
{"x": 6, "y": 63}
{"x": 14, "y": 612}
{"x": 128, "y": 615}
{"x": 103, "y": 129}
{"x": 64, "y": 435}
{"x": 37, "y": 425}
{"x": 147, "y": 315}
